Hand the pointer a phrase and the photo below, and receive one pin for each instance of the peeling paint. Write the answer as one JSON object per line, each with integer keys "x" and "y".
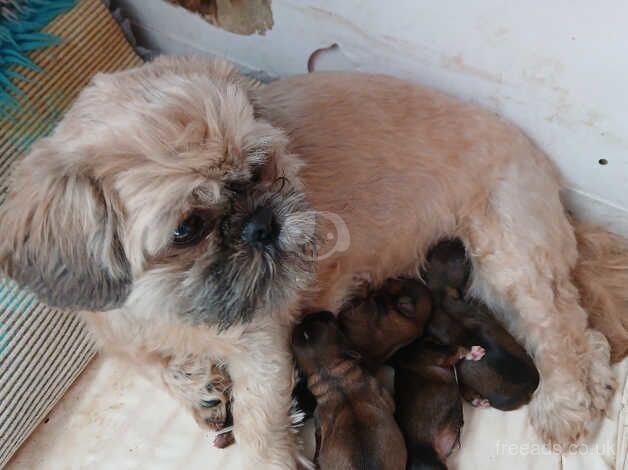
{"x": 241, "y": 17}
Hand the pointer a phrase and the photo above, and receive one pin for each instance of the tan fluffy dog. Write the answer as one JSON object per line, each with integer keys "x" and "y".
{"x": 172, "y": 196}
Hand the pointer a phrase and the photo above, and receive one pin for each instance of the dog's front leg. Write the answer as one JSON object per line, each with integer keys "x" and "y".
{"x": 262, "y": 374}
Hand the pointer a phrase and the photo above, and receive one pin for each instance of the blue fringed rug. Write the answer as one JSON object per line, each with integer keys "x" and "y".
{"x": 21, "y": 22}
{"x": 49, "y": 50}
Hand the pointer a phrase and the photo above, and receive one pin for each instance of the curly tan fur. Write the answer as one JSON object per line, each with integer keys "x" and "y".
{"x": 429, "y": 167}
{"x": 601, "y": 275}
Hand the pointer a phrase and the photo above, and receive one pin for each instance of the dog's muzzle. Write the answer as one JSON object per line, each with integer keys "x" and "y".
{"x": 261, "y": 228}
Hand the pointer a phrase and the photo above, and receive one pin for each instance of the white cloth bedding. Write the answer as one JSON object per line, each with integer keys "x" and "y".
{"x": 114, "y": 419}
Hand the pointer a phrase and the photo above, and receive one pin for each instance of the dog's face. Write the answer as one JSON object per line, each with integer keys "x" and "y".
{"x": 161, "y": 192}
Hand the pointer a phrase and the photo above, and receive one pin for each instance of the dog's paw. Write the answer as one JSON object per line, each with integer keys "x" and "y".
{"x": 212, "y": 408}
{"x": 602, "y": 382}
{"x": 475, "y": 353}
{"x": 203, "y": 387}
{"x": 560, "y": 413}
{"x": 480, "y": 403}
{"x": 224, "y": 439}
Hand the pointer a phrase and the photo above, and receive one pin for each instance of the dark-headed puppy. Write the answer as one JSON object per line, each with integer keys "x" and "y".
{"x": 387, "y": 319}
{"x": 355, "y": 428}
{"x": 448, "y": 268}
{"x": 429, "y": 410}
{"x": 506, "y": 376}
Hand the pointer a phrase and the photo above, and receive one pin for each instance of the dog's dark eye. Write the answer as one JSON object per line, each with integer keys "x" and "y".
{"x": 256, "y": 173}
{"x": 190, "y": 231}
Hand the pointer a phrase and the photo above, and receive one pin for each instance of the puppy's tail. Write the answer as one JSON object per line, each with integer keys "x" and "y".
{"x": 601, "y": 275}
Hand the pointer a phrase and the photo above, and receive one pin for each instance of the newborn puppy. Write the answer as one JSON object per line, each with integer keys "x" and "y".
{"x": 387, "y": 319}
{"x": 506, "y": 377}
{"x": 355, "y": 428}
{"x": 429, "y": 411}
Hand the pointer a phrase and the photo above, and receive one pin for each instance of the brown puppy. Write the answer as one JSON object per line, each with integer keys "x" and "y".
{"x": 355, "y": 428}
{"x": 429, "y": 410}
{"x": 506, "y": 377}
{"x": 387, "y": 319}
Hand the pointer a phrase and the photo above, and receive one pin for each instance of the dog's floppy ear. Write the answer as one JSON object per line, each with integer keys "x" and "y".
{"x": 60, "y": 234}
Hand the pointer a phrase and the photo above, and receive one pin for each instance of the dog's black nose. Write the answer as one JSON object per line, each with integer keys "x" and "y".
{"x": 261, "y": 227}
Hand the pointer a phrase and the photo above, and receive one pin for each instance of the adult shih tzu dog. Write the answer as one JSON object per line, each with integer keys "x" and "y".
{"x": 186, "y": 210}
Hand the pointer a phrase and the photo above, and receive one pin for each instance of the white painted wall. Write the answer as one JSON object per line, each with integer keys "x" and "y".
{"x": 556, "y": 68}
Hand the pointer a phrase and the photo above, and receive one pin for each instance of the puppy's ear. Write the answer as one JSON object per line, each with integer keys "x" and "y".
{"x": 60, "y": 234}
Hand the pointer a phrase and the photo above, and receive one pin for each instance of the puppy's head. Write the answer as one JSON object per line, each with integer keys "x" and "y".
{"x": 318, "y": 341}
{"x": 387, "y": 318}
{"x": 447, "y": 266}
{"x": 160, "y": 191}
{"x": 409, "y": 298}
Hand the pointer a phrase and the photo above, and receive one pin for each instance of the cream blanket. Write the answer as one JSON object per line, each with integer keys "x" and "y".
{"x": 113, "y": 419}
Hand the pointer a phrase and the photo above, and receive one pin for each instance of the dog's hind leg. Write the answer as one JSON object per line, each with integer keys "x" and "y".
{"x": 523, "y": 251}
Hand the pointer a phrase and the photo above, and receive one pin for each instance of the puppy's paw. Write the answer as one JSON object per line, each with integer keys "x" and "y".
{"x": 480, "y": 403}
{"x": 475, "y": 353}
{"x": 560, "y": 412}
{"x": 602, "y": 382}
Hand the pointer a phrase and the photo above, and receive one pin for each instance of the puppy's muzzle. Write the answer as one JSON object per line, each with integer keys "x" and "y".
{"x": 261, "y": 228}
